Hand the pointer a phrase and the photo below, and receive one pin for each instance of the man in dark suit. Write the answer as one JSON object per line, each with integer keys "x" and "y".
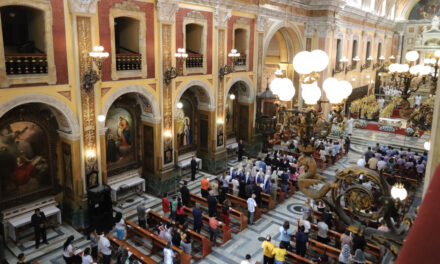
{"x": 38, "y": 220}
{"x": 184, "y": 193}
{"x": 193, "y": 168}
{"x": 240, "y": 150}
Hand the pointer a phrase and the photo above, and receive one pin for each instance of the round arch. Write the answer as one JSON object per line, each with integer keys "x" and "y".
{"x": 209, "y": 103}
{"x": 47, "y": 100}
{"x": 293, "y": 33}
{"x": 250, "y": 90}
{"x": 406, "y": 10}
{"x": 132, "y": 89}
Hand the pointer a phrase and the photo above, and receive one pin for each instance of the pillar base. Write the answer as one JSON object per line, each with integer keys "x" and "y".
{"x": 165, "y": 181}
{"x": 214, "y": 163}
{"x": 77, "y": 214}
{"x": 254, "y": 146}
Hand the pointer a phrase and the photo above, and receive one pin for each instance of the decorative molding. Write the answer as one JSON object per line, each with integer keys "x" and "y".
{"x": 206, "y": 97}
{"x": 195, "y": 15}
{"x": 127, "y": 5}
{"x": 309, "y": 30}
{"x": 262, "y": 22}
{"x": 66, "y": 94}
{"x": 250, "y": 89}
{"x": 222, "y": 16}
{"x": 105, "y": 90}
{"x": 68, "y": 136}
{"x": 325, "y": 29}
{"x": 132, "y": 89}
{"x": 153, "y": 86}
{"x": 53, "y": 102}
{"x": 83, "y": 6}
{"x": 166, "y": 10}
{"x": 167, "y": 108}
{"x": 241, "y": 22}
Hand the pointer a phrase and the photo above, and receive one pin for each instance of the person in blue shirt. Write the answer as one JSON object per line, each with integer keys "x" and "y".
{"x": 197, "y": 215}
{"x": 284, "y": 183}
{"x": 285, "y": 236}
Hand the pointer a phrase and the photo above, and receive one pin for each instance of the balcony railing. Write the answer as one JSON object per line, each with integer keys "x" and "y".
{"x": 194, "y": 61}
{"x": 241, "y": 61}
{"x": 24, "y": 63}
{"x": 128, "y": 62}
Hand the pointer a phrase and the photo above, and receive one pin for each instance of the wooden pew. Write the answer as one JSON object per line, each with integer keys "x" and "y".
{"x": 297, "y": 258}
{"x": 242, "y": 204}
{"x": 156, "y": 241}
{"x": 222, "y": 228}
{"x": 370, "y": 248}
{"x": 202, "y": 240}
{"x": 265, "y": 198}
{"x": 136, "y": 253}
{"x": 235, "y": 214}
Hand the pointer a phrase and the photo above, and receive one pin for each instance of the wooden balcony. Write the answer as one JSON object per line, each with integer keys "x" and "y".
{"x": 128, "y": 62}
{"x": 194, "y": 61}
{"x": 25, "y": 63}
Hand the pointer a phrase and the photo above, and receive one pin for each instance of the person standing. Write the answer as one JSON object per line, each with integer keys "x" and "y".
{"x": 286, "y": 234}
{"x": 168, "y": 254}
{"x": 212, "y": 204}
{"x": 68, "y": 250}
{"x": 345, "y": 255}
{"x": 86, "y": 257}
{"x": 184, "y": 193}
{"x": 322, "y": 231}
{"x": 165, "y": 206}
{"x": 204, "y": 186}
{"x": 268, "y": 247}
{"x": 247, "y": 260}
{"x": 194, "y": 166}
{"x": 240, "y": 150}
{"x": 173, "y": 208}
{"x": 197, "y": 215}
{"x": 368, "y": 155}
{"x": 235, "y": 187}
{"x": 185, "y": 240}
{"x": 347, "y": 144}
{"x": 280, "y": 254}
{"x": 252, "y": 204}
{"x": 284, "y": 183}
{"x": 94, "y": 238}
{"x": 350, "y": 126}
{"x": 213, "y": 224}
{"x": 141, "y": 212}
{"x": 226, "y": 209}
{"x": 301, "y": 240}
{"x": 346, "y": 238}
{"x": 104, "y": 248}
{"x": 38, "y": 220}
{"x": 120, "y": 227}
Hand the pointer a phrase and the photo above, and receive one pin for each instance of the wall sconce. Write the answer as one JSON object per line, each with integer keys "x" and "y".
{"x": 101, "y": 118}
{"x": 227, "y": 69}
{"x": 179, "y": 105}
{"x": 367, "y": 63}
{"x": 232, "y": 96}
{"x": 173, "y": 72}
{"x": 168, "y": 134}
{"x": 344, "y": 67}
{"x": 90, "y": 156}
{"x": 220, "y": 121}
{"x": 91, "y": 76}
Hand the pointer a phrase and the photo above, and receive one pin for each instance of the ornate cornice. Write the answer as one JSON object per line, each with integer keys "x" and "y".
{"x": 127, "y": 5}
{"x": 83, "y": 6}
{"x": 222, "y": 16}
{"x": 262, "y": 22}
{"x": 166, "y": 10}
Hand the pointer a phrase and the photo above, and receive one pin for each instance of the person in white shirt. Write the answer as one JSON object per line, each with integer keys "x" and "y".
{"x": 381, "y": 164}
{"x": 251, "y": 208}
{"x": 86, "y": 258}
{"x": 361, "y": 162}
{"x": 68, "y": 250}
{"x": 235, "y": 186}
{"x": 418, "y": 100}
{"x": 350, "y": 126}
{"x": 168, "y": 254}
{"x": 304, "y": 222}
{"x": 104, "y": 248}
{"x": 381, "y": 102}
{"x": 247, "y": 260}
{"x": 322, "y": 231}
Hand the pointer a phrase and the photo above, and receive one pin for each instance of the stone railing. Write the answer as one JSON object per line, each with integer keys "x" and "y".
{"x": 241, "y": 61}
{"x": 26, "y": 63}
{"x": 194, "y": 61}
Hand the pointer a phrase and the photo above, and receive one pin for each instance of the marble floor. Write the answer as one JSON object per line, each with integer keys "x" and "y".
{"x": 249, "y": 240}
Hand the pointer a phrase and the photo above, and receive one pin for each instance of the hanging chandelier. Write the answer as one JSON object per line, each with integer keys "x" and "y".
{"x": 282, "y": 87}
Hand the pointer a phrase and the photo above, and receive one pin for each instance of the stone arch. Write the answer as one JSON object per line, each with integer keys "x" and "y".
{"x": 293, "y": 33}
{"x": 250, "y": 88}
{"x": 62, "y": 110}
{"x": 132, "y": 89}
{"x": 205, "y": 95}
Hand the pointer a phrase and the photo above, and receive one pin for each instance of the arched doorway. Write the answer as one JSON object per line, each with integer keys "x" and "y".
{"x": 281, "y": 45}
{"x": 237, "y": 112}
{"x": 192, "y": 121}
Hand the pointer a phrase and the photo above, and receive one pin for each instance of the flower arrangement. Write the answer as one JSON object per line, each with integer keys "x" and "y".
{"x": 409, "y": 131}
{"x": 360, "y": 124}
{"x": 338, "y": 133}
{"x": 387, "y": 128}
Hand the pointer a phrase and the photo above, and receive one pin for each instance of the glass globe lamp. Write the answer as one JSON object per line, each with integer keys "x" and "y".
{"x": 346, "y": 88}
{"x": 398, "y": 191}
{"x": 319, "y": 59}
{"x": 310, "y": 93}
{"x": 412, "y": 56}
{"x": 302, "y": 63}
{"x": 427, "y": 145}
{"x": 286, "y": 91}
{"x": 275, "y": 85}
{"x": 332, "y": 90}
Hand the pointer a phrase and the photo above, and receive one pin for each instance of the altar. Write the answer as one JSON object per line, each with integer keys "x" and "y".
{"x": 394, "y": 122}
{"x": 126, "y": 184}
{"x": 17, "y": 220}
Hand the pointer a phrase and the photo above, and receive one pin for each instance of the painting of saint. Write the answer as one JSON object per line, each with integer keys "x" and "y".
{"x": 184, "y": 133}
{"x": 119, "y": 137}
{"x": 23, "y": 158}
{"x": 425, "y": 9}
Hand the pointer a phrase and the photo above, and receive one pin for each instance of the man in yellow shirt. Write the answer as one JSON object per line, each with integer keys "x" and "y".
{"x": 280, "y": 254}
{"x": 268, "y": 248}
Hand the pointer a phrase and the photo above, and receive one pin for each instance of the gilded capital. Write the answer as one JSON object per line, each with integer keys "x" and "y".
{"x": 222, "y": 16}
{"x": 262, "y": 22}
{"x": 83, "y": 6}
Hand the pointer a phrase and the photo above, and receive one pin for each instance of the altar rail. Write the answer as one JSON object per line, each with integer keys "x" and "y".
{"x": 33, "y": 63}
